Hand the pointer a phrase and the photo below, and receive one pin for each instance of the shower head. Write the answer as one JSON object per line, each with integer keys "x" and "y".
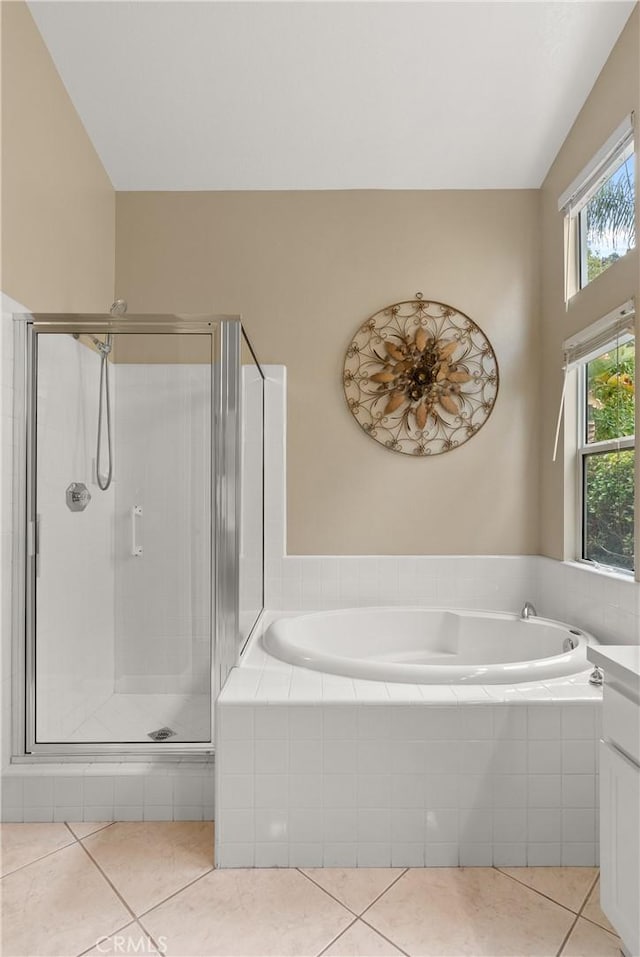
{"x": 119, "y": 307}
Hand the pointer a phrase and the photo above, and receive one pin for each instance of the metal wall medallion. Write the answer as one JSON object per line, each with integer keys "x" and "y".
{"x": 420, "y": 377}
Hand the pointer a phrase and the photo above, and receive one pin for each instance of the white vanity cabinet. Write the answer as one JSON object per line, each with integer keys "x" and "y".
{"x": 620, "y": 791}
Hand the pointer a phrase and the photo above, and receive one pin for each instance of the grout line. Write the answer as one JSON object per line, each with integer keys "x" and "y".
{"x": 595, "y": 923}
{"x": 584, "y": 904}
{"x": 41, "y": 858}
{"x": 589, "y": 892}
{"x": 577, "y": 918}
{"x": 108, "y": 880}
{"x": 358, "y": 917}
{"x": 342, "y": 903}
{"x": 380, "y": 934}
{"x": 175, "y": 893}
{"x": 117, "y": 931}
{"x": 369, "y": 906}
{"x": 149, "y": 936}
{"x": 328, "y": 893}
{"x": 577, "y": 914}
{"x": 103, "y": 827}
{"x": 540, "y": 893}
{"x": 567, "y": 936}
{"x": 338, "y": 936}
{"x": 74, "y": 836}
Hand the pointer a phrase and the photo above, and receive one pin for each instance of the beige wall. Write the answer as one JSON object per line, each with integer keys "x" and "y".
{"x": 305, "y": 269}
{"x": 615, "y": 94}
{"x": 58, "y": 205}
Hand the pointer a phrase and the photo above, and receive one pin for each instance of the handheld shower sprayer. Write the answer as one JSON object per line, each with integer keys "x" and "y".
{"x": 118, "y": 309}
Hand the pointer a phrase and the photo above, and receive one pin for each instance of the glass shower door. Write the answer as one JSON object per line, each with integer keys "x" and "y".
{"x": 122, "y": 588}
{"x": 251, "y": 530}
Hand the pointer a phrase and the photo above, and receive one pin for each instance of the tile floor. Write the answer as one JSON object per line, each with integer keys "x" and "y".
{"x": 150, "y": 888}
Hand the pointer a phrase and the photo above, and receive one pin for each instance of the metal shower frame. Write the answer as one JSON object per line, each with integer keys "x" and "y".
{"x": 226, "y": 340}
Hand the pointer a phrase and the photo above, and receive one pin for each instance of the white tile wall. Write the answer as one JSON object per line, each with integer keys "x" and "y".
{"x": 183, "y": 791}
{"x": 608, "y": 605}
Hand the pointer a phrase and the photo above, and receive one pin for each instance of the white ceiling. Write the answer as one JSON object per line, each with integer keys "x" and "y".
{"x": 303, "y": 95}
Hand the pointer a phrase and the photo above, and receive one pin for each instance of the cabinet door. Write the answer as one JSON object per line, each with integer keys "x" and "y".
{"x": 620, "y": 844}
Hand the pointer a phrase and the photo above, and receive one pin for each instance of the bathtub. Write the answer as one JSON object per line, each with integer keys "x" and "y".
{"x": 430, "y": 645}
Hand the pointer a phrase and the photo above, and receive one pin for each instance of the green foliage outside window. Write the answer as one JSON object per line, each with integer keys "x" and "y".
{"x": 597, "y": 264}
{"x": 609, "y": 476}
{"x": 611, "y": 394}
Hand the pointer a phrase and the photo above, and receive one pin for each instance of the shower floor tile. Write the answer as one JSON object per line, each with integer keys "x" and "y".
{"x": 131, "y": 717}
{"x": 149, "y": 888}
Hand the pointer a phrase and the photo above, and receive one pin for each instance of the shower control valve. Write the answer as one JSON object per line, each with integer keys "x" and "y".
{"x": 78, "y": 497}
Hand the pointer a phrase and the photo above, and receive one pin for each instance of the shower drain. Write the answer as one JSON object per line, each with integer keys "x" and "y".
{"x": 161, "y": 734}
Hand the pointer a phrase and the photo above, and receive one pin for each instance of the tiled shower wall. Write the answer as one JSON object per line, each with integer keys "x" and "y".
{"x": 163, "y": 598}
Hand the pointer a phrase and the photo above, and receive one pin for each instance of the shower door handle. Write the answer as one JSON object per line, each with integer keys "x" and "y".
{"x": 33, "y": 543}
{"x": 136, "y": 548}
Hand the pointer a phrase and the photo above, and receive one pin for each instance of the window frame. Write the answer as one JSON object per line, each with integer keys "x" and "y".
{"x": 585, "y": 450}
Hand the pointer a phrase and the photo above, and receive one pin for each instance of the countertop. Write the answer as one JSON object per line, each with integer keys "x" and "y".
{"x": 619, "y": 661}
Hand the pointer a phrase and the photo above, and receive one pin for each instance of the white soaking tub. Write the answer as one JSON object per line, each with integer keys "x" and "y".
{"x": 430, "y": 645}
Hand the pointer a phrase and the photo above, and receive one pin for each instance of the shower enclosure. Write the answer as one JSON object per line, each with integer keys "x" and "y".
{"x": 134, "y": 596}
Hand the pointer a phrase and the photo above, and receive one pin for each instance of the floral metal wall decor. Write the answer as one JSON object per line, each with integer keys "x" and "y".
{"x": 420, "y": 377}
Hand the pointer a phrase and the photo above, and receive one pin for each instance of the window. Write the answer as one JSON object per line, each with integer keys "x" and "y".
{"x": 606, "y": 453}
{"x": 599, "y": 209}
{"x": 606, "y": 222}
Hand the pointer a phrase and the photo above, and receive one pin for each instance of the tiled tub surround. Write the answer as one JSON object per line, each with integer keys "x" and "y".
{"x": 318, "y": 770}
{"x": 607, "y": 605}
